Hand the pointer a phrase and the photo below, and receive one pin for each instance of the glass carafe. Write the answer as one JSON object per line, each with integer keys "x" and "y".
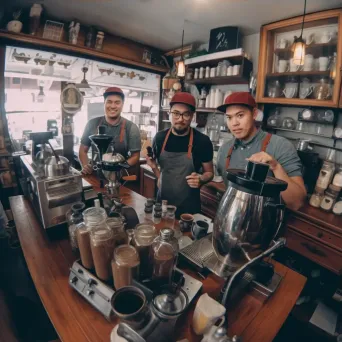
{"x": 323, "y": 89}
{"x": 143, "y": 237}
{"x": 165, "y": 252}
{"x": 93, "y": 217}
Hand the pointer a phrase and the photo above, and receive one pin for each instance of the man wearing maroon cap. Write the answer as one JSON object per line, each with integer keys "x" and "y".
{"x": 126, "y": 135}
{"x": 182, "y": 153}
{"x": 251, "y": 143}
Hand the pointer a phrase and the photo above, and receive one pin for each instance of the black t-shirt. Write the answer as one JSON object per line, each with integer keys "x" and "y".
{"x": 202, "y": 149}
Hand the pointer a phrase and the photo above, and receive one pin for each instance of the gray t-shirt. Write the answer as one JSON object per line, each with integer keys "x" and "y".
{"x": 279, "y": 148}
{"x": 132, "y": 133}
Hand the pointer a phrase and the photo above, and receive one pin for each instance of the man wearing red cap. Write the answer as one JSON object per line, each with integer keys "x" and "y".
{"x": 251, "y": 143}
{"x": 182, "y": 152}
{"x": 126, "y": 135}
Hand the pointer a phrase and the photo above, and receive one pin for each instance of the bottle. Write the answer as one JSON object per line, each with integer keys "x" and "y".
{"x": 75, "y": 219}
{"x": 92, "y": 217}
{"x": 165, "y": 252}
{"x": 143, "y": 237}
{"x": 333, "y": 67}
{"x": 125, "y": 266}
{"x": 99, "y": 40}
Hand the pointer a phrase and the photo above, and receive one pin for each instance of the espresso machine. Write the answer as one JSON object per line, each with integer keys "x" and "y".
{"x": 112, "y": 164}
{"x": 247, "y": 221}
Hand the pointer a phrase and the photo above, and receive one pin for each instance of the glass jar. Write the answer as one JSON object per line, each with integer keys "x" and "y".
{"x": 102, "y": 247}
{"x": 92, "y": 217}
{"x": 214, "y": 130}
{"x": 90, "y": 37}
{"x": 330, "y": 197}
{"x": 338, "y": 177}
{"x": 325, "y": 175}
{"x": 125, "y": 266}
{"x": 337, "y": 209}
{"x": 317, "y": 197}
{"x": 75, "y": 219}
{"x": 165, "y": 252}
{"x": 323, "y": 89}
{"x": 275, "y": 89}
{"x": 275, "y": 119}
{"x": 143, "y": 237}
{"x": 99, "y": 40}
{"x": 117, "y": 226}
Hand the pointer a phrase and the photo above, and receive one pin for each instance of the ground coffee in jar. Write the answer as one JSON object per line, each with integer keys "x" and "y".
{"x": 93, "y": 218}
{"x": 116, "y": 224}
{"x": 102, "y": 247}
{"x": 125, "y": 266}
{"x": 143, "y": 237}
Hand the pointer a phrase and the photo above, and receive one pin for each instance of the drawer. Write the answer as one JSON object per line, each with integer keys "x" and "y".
{"x": 209, "y": 202}
{"x": 330, "y": 238}
{"x": 325, "y": 256}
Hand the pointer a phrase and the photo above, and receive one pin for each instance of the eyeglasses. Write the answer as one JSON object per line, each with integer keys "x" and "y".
{"x": 185, "y": 115}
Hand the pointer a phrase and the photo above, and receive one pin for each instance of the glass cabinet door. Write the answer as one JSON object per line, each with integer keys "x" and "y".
{"x": 317, "y": 81}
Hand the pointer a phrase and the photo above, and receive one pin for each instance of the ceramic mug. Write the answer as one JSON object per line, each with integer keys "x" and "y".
{"x": 199, "y": 229}
{"x": 294, "y": 67}
{"x": 186, "y": 222}
{"x": 236, "y": 69}
{"x": 309, "y": 39}
{"x": 308, "y": 63}
{"x": 326, "y": 37}
{"x": 283, "y": 65}
{"x": 323, "y": 63}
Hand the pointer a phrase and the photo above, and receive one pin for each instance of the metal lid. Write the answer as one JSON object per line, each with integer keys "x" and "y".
{"x": 171, "y": 304}
{"x": 220, "y": 332}
{"x": 167, "y": 234}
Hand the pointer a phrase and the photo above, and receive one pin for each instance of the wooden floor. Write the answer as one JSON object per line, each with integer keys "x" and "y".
{"x": 7, "y": 330}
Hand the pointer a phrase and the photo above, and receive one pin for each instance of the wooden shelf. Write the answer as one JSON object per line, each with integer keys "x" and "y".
{"x": 299, "y": 73}
{"x": 299, "y": 132}
{"x": 308, "y": 48}
{"x": 27, "y": 38}
{"x": 220, "y": 80}
{"x": 298, "y": 102}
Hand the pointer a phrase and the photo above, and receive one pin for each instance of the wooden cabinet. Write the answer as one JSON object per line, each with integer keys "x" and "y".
{"x": 210, "y": 200}
{"x": 148, "y": 182}
{"x": 317, "y": 236}
{"x": 316, "y": 83}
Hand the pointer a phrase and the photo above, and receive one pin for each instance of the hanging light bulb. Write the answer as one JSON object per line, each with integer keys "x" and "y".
{"x": 298, "y": 46}
{"x": 181, "y": 64}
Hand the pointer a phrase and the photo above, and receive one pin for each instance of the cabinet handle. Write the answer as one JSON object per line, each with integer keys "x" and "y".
{"x": 313, "y": 249}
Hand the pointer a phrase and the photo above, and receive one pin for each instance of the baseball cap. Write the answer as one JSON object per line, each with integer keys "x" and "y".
{"x": 114, "y": 91}
{"x": 184, "y": 98}
{"x": 238, "y": 98}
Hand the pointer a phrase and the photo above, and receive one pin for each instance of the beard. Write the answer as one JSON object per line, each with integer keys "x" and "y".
{"x": 180, "y": 131}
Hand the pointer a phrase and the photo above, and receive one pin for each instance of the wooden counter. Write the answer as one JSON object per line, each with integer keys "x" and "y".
{"x": 75, "y": 320}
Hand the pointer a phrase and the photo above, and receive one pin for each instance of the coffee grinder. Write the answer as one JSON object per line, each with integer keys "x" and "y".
{"x": 112, "y": 164}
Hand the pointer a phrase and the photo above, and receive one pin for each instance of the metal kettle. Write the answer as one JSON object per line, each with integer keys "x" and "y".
{"x": 248, "y": 218}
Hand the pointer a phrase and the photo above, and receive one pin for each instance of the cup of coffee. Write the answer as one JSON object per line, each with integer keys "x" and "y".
{"x": 199, "y": 229}
{"x": 186, "y": 222}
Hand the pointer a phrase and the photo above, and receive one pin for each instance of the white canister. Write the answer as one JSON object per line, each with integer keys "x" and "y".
{"x": 212, "y": 72}
{"x": 207, "y": 101}
{"x": 218, "y": 98}
{"x": 212, "y": 98}
{"x": 236, "y": 69}
{"x": 207, "y": 72}
{"x": 201, "y": 72}
{"x": 196, "y": 73}
{"x": 230, "y": 71}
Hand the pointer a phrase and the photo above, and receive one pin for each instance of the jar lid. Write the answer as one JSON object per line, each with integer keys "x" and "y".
{"x": 167, "y": 234}
{"x": 126, "y": 254}
{"x": 144, "y": 234}
{"x": 78, "y": 207}
{"x": 171, "y": 304}
{"x": 334, "y": 187}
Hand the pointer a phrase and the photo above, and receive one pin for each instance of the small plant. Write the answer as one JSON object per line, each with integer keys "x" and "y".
{"x": 17, "y": 14}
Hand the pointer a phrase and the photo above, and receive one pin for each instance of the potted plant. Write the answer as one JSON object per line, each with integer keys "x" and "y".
{"x": 15, "y": 25}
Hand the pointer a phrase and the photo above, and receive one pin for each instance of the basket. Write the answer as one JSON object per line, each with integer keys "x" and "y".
{"x": 53, "y": 30}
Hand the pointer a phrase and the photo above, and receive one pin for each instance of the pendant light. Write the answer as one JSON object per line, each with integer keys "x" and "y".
{"x": 181, "y": 64}
{"x": 298, "y": 46}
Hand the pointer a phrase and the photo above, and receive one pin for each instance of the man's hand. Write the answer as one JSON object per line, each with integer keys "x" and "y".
{"x": 87, "y": 169}
{"x": 194, "y": 180}
{"x": 263, "y": 157}
{"x": 151, "y": 163}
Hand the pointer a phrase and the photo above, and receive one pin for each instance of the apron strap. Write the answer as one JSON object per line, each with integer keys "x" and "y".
{"x": 122, "y": 130}
{"x": 191, "y": 140}
{"x": 230, "y": 152}
{"x": 165, "y": 140}
{"x": 265, "y": 142}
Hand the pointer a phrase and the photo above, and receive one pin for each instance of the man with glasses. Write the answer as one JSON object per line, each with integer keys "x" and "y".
{"x": 182, "y": 152}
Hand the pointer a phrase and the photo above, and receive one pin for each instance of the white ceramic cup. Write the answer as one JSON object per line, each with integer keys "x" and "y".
{"x": 323, "y": 63}
{"x": 294, "y": 67}
{"x": 212, "y": 72}
{"x": 326, "y": 37}
{"x": 230, "y": 71}
{"x": 309, "y": 39}
{"x": 236, "y": 69}
{"x": 282, "y": 43}
{"x": 283, "y": 65}
{"x": 308, "y": 63}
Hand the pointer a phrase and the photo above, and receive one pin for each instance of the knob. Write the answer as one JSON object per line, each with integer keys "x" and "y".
{"x": 73, "y": 280}
{"x": 91, "y": 282}
{"x": 80, "y": 271}
{"x": 90, "y": 292}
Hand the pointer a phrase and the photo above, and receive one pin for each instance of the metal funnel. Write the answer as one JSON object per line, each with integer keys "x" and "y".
{"x": 101, "y": 140}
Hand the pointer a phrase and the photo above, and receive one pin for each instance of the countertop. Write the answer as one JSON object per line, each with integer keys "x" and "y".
{"x": 74, "y": 319}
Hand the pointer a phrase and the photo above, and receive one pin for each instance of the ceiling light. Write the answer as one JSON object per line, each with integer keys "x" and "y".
{"x": 298, "y": 46}
{"x": 181, "y": 64}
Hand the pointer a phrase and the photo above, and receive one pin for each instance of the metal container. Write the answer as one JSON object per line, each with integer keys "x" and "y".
{"x": 249, "y": 216}
{"x": 54, "y": 168}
